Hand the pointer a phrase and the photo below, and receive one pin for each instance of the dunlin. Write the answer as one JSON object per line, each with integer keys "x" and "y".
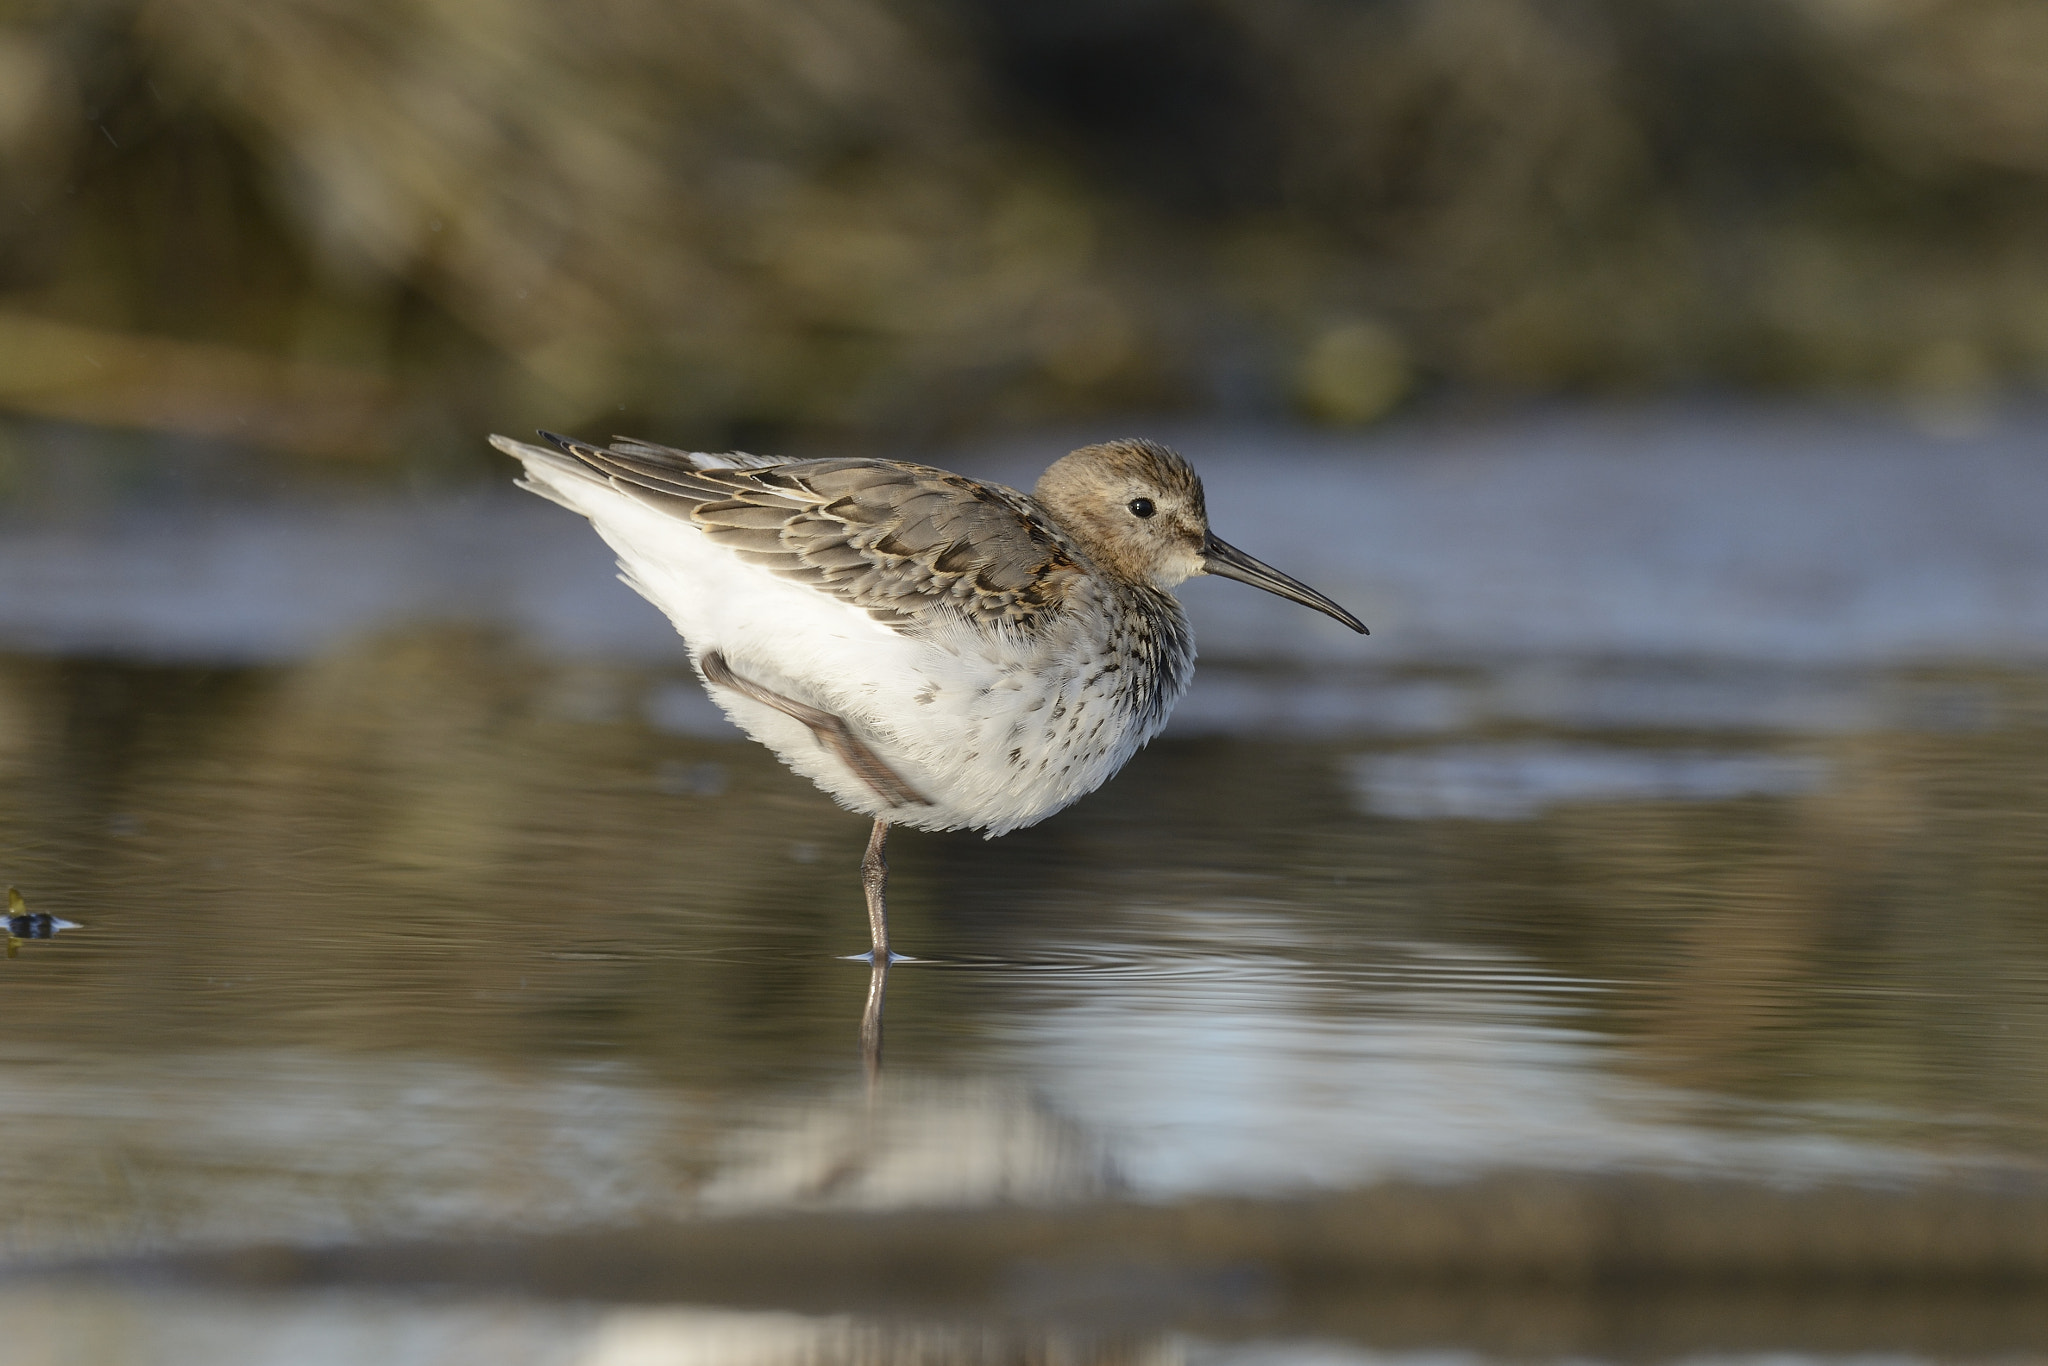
{"x": 931, "y": 650}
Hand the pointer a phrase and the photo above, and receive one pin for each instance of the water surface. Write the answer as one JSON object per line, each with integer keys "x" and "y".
{"x": 442, "y": 928}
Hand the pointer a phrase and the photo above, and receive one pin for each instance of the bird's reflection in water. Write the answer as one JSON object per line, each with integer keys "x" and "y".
{"x": 918, "y": 1139}
{"x": 770, "y": 1339}
{"x": 105, "y": 1323}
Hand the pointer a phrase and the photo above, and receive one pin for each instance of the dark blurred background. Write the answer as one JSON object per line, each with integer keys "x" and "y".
{"x": 364, "y": 231}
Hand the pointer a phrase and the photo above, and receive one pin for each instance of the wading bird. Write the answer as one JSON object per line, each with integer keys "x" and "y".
{"x": 931, "y": 650}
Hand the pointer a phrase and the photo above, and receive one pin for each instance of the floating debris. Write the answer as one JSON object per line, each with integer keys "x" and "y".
{"x": 25, "y": 924}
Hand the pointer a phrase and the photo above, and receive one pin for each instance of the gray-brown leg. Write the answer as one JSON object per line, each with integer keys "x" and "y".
{"x": 832, "y": 733}
{"x": 874, "y": 882}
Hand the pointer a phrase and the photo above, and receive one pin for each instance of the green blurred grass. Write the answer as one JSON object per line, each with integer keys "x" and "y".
{"x": 368, "y": 229}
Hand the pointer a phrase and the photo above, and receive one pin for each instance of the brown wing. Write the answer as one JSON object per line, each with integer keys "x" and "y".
{"x": 906, "y": 542}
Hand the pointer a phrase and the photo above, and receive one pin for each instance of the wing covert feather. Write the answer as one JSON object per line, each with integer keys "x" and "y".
{"x": 907, "y": 543}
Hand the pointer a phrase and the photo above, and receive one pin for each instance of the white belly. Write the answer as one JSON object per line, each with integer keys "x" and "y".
{"x": 996, "y": 735}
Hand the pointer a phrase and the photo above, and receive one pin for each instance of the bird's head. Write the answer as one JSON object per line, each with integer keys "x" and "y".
{"x": 1136, "y": 507}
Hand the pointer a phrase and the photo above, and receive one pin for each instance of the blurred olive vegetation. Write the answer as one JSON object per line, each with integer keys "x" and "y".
{"x": 369, "y": 229}
{"x": 337, "y": 840}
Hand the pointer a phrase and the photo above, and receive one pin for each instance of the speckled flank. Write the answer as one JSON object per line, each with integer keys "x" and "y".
{"x": 1152, "y": 660}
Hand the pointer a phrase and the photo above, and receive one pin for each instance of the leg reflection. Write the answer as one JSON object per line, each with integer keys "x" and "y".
{"x": 871, "y": 1018}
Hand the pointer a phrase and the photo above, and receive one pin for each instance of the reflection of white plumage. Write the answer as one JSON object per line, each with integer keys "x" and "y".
{"x": 930, "y": 650}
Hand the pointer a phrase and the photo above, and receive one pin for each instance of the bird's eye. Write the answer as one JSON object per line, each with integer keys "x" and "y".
{"x": 1141, "y": 507}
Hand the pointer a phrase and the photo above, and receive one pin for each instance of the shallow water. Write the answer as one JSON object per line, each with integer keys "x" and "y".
{"x": 444, "y": 932}
{"x": 412, "y": 940}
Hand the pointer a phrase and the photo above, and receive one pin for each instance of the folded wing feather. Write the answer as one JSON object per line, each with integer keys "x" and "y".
{"x": 907, "y": 543}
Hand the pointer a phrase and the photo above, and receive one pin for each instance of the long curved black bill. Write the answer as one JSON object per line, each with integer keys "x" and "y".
{"x": 1221, "y": 557}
